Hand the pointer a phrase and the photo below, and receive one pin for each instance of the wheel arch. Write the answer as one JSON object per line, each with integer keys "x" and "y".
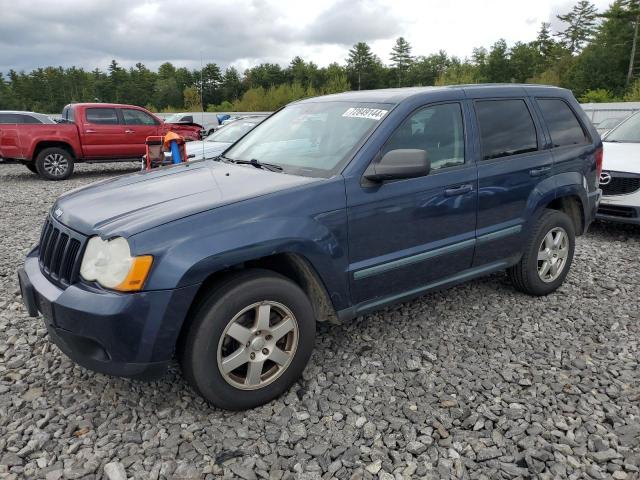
{"x": 40, "y": 146}
{"x": 291, "y": 265}
{"x": 573, "y": 206}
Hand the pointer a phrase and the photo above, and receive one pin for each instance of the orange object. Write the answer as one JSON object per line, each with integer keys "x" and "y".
{"x": 172, "y": 136}
{"x": 137, "y": 274}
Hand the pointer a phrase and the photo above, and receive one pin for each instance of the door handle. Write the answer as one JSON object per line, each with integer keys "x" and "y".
{"x": 461, "y": 190}
{"x": 88, "y": 130}
{"x": 538, "y": 172}
{"x": 129, "y": 131}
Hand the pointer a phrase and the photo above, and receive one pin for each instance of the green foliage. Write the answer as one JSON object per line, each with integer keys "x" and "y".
{"x": 597, "y": 96}
{"x": 580, "y": 25}
{"x": 595, "y": 54}
{"x": 192, "y": 101}
{"x": 401, "y": 59}
{"x": 633, "y": 95}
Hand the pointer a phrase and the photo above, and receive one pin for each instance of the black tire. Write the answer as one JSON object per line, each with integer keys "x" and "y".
{"x": 32, "y": 168}
{"x": 198, "y": 353}
{"x": 54, "y": 164}
{"x": 525, "y": 275}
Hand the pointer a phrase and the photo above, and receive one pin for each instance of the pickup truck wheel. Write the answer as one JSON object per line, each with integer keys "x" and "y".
{"x": 548, "y": 255}
{"x": 249, "y": 341}
{"x": 54, "y": 164}
{"x": 31, "y": 167}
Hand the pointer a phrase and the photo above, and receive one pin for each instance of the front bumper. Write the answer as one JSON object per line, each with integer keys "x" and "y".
{"x": 620, "y": 208}
{"x": 128, "y": 335}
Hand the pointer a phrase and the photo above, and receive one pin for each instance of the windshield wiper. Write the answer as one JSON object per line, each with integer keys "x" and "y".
{"x": 256, "y": 163}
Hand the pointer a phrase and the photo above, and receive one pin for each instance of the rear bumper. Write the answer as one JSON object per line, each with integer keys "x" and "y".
{"x": 128, "y": 335}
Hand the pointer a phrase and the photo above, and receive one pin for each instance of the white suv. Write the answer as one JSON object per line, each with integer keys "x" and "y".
{"x": 620, "y": 178}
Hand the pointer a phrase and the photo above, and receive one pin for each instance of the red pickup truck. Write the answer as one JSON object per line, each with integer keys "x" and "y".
{"x": 88, "y": 132}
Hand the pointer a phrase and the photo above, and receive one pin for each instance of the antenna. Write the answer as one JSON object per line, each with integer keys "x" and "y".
{"x": 202, "y": 98}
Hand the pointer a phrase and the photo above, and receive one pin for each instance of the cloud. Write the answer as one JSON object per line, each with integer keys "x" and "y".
{"x": 89, "y": 33}
{"x": 349, "y": 21}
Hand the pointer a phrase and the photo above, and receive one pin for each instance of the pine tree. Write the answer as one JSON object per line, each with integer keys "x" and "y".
{"x": 581, "y": 25}
{"x": 360, "y": 60}
{"x": 628, "y": 13}
{"x": 401, "y": 58}
{"x": 544, "y": 42}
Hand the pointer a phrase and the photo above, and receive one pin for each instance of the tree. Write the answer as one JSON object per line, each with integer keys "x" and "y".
{"x": 361, "y": 61}
{"x": 401, "y": 58}
{"x": 604, "y": 62}
{"x": 544, "y": 42}
{"x": 628, "y": 13}
{"x": 192, "y": 99}
{"x": 231, "y": 84}
{"x": 525, "y": 61}
{"x": 498, "y": 68}
{"x": 581, "y": 25}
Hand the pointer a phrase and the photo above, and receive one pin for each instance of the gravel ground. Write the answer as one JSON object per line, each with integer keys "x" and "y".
{"x": 475, "y": 382}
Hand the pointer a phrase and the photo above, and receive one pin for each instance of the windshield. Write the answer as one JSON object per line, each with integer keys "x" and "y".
{"x": 175, "y": 118}
{"x": 231, "y": 132}
{"x": 628, "y": 131}
{"x": 313, "y": 139}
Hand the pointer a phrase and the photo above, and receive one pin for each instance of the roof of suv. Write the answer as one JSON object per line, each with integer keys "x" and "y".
{"x": 397, "y": 95}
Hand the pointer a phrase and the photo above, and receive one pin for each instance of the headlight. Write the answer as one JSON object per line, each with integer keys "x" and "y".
{"x": 109, "y": 262}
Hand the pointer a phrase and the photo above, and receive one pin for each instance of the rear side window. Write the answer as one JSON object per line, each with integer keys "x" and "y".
{"x": 564, "y": 127}
{"x": 68, "y": 114}
{"x": 506, "y": 128}
{"x": 137, "y": 117}
{"x": 8, "y": 118}
{"x": 103, "y": 116}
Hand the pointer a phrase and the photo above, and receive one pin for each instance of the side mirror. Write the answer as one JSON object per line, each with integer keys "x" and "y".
{"x": 398, "y": 164}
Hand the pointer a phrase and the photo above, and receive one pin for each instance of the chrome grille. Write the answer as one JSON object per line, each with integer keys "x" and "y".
{"x": 60, "y": 250}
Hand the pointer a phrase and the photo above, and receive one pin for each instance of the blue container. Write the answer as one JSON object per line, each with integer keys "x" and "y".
{"x": 175, "y": 152}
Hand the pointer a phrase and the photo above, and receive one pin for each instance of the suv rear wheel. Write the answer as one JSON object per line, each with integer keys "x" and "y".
{"x": 249, "y": 341}
{"x": 54, "y": 163}
{"x": 548, "y": 255}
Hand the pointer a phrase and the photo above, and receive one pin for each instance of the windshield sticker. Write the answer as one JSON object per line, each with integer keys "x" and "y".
{"x": 370, "y": 113}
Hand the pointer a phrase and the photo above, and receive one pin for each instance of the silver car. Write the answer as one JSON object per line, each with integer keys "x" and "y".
{"x": 20, "y": 117}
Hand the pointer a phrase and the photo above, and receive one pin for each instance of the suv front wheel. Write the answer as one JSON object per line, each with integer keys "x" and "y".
{"x": 547, "y": 256}
{"x": 249, "y": 340}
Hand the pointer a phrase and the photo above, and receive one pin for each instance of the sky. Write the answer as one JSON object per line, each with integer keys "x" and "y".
{"x": 243, "y": 33}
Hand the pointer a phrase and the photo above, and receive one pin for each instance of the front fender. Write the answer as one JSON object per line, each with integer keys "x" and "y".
{"x": 189, "y": 250}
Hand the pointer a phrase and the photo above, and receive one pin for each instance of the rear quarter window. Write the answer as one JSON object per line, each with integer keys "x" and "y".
{"x": 564, "y": 127}
{"x": 506, "y": 128}
{"x": 102, "y": 116}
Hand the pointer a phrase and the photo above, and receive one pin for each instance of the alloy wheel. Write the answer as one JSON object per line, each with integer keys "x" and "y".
{"x": 257, "y": 345}
{"x": 55, "y": 164}
{"x": 552, "y": 254}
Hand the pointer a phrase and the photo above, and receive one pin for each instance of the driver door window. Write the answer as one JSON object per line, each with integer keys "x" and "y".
{"x": 438, "y": 130}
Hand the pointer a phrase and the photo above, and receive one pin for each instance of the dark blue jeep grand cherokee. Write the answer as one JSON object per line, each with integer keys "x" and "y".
{"x": 333, "y": 207}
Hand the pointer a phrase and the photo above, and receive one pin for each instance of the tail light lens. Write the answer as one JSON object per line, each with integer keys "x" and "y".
{"x": 599, "y": 155}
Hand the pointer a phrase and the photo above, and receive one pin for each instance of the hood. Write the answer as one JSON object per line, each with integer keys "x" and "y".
{"x": 133, "y": 203}
{"x": 211, "y": 149}
{"x": 621, "y": 157}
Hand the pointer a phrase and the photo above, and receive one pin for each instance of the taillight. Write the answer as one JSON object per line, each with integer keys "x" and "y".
{"x": 599, "y": 155}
